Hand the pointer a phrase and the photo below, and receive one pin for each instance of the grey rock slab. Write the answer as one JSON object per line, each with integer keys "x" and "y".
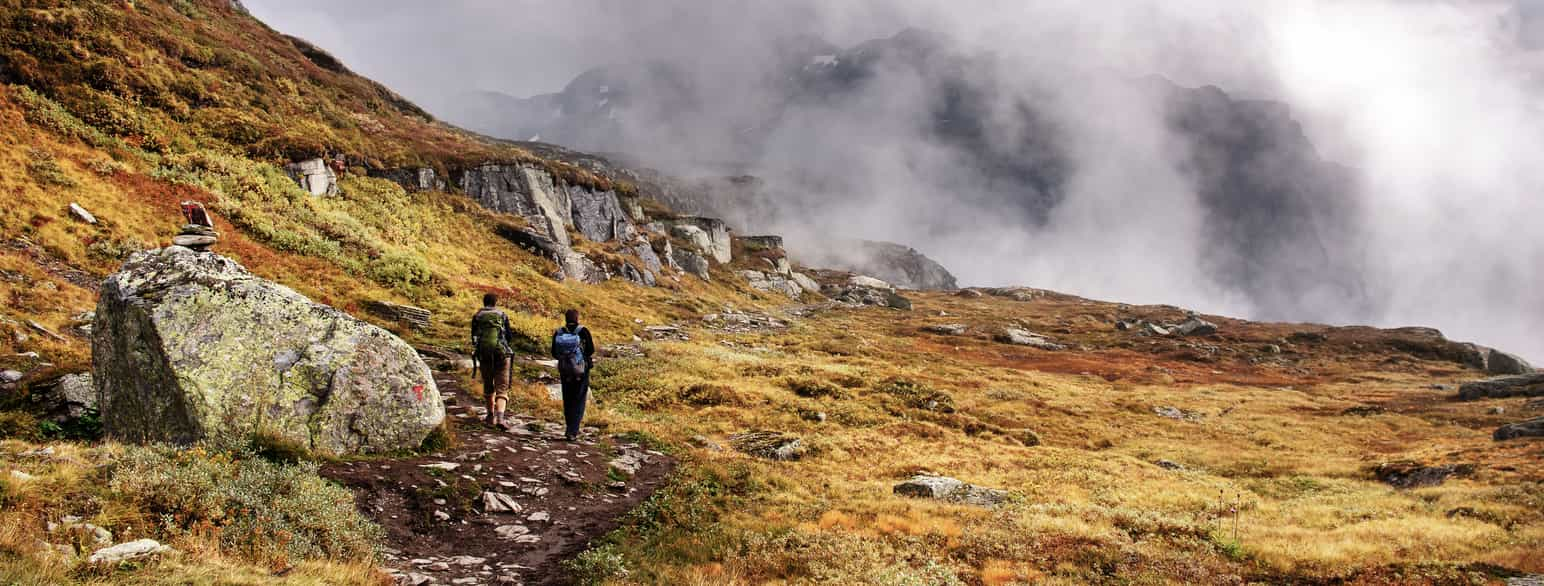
{"x": 1530, "y": 428}
{"x": 1501, "y": 387}
{"x": 950, "y": 489}
{"x": 132, "y": 550}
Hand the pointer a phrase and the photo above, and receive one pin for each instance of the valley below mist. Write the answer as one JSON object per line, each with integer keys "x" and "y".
{"x": 1301, "y": 162}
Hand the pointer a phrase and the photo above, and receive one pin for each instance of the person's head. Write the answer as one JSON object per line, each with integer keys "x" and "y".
{"x": 571, "y": 316}
{"x": 490, "y": 300}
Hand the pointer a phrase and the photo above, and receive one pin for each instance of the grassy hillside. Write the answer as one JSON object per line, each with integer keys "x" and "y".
{"x": 127, "y": 108}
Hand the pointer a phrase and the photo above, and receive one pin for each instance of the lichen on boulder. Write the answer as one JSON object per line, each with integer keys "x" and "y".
{"x": 189, "y": 345}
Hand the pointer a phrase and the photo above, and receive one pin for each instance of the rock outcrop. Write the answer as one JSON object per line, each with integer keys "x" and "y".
{"x": 1530, "y": 428}
{"x": 524, "y": 191}
{"x": 413, "y": 178}
{"x": 691, "y": 262}
{"x": 1501, "y": 387}
{"x": 710, "y": 236}
{"x": 314, "y": 175}
{"x": 899, "y": 265}
{"x": 190, "y": 345}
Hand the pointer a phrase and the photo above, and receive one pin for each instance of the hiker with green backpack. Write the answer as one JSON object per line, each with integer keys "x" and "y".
{"x": 575, "y": 352}
{"x": 491, "y": 335}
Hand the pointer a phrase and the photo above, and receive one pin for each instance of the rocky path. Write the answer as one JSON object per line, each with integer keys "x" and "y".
{"x": 500, "y": 507}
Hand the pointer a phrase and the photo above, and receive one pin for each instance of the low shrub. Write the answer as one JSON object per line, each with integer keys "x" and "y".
{"x": 917, "y": 395}
{"x": 19, "y": 426}
{"x": 260, "y": 510}
{"x": 812, "y": 388}
{"x": 708, "y": 394}
{"x": 400, "y": 270}
{"x": 597, "y": 565}
{"x": 45, "y": 169}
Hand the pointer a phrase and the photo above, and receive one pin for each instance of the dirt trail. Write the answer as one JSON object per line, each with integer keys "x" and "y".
{"x": 500, "y": 507}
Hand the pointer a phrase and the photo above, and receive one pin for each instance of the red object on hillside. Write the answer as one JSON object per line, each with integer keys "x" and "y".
{"x": 195, "y": 214}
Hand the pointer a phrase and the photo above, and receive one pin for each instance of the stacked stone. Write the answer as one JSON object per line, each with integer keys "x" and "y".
{"x": 199, "y": 233}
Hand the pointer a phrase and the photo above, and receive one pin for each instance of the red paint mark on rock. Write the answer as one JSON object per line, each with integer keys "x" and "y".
{"x": 419, "y": 390}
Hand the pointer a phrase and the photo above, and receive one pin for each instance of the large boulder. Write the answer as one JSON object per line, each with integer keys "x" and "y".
{"x": 1502, "y": 387}
{"x": 944, "y": 488}
{"x": 189, "y": 345}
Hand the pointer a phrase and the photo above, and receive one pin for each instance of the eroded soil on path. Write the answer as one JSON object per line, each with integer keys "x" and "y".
{"x": 501, "y": 507}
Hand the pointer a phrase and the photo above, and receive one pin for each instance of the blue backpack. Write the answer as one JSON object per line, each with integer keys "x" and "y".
{"x": 570, "y": 351}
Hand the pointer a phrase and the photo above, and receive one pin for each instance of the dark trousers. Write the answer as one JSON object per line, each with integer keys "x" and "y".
{"x": 575, "y": 394}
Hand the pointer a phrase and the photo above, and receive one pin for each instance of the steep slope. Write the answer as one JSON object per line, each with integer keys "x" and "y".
{"x": 1250, "y": 452}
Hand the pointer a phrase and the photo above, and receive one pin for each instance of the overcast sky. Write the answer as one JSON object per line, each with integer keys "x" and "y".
{"x": 1434, "y": 103}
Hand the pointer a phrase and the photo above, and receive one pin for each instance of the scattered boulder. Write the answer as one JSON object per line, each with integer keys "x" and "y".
{"x": 768, "y": 444}
{"x": 415, "y": 317}
{"x": 1153, "y": 329}
{"x": 1020, "y": 337}
{"x": 81, "y": 213}
{"x": 772, "y": 282}
{"x": 314, "y": 175}
{"x": 1407, "y": 474}
{"x": 1170, "y": 465}
{"x": 804, "y": 282}
{"x": 190, "y": 345}
{"x": 1195, "y": 326}
{"x": 1501, "y": 387}
{"x": 1530, "y": 428}
{"x": 946, "y": 329}
{"x": 1178, "y": 414}
{"x": 497, "y": 502}
{"x": 968, "y": 294}
{"x": 864, "y": 290}
{"x": 10, "y": 376}
{"x": 124, "y": 552}
{"x": 944, "y": 488}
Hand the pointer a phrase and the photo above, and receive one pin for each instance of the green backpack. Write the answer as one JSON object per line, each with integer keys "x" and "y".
{"x": 489, "y": 327}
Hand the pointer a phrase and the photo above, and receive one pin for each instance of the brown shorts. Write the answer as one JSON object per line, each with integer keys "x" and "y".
{"x": 495, "y": 376}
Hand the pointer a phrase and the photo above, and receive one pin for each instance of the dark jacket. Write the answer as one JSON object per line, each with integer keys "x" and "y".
{"x": 584, "y": 341}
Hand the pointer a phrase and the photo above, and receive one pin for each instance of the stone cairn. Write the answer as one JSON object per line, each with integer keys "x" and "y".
{"x": 198, "y": 233}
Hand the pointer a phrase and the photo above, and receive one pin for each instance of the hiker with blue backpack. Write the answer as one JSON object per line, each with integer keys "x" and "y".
{"x": 575, "y": 353}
